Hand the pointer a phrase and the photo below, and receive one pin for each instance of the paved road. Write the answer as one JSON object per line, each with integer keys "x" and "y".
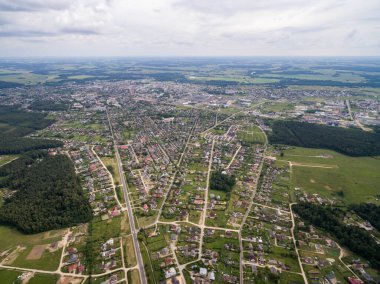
{"x": 129, "y": 209}
{"x": 295, "y": 244}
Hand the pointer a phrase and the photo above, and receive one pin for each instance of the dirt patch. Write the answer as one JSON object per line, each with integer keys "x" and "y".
{"x": 36, "y": 252}
{"x": 69, "y": 280}
{"x": 13, "y": 255}
{"x": 331, "y": 260}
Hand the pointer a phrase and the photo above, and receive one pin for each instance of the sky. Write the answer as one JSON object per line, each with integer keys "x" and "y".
{"x": 189, "y": 28}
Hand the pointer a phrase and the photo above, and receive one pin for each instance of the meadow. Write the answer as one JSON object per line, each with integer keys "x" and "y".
{"x": 330, "y": 174}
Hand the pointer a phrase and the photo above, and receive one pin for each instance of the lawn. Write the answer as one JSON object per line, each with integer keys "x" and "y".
{"x": 357, "y": 177}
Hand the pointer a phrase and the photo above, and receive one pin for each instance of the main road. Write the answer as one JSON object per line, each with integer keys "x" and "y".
{"x": 129, "y": 208}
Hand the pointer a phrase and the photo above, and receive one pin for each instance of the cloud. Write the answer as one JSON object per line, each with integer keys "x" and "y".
{"x": 32, "y": 5}
{"x": 183, "y": 27}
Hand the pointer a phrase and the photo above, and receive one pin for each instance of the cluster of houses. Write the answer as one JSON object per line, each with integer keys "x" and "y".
{"x": 267, "y": 190}
{"x": 97, "y": 182}
{"x": 313, "y": 198}
{"x": 73, "y": 260}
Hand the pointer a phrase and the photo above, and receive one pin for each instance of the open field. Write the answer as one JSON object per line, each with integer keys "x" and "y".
{"x": 133, "y": 276}
{"x": 110, "y": 163}
{"x": 251, "y": 135}
{"x": 36, "y": 252}
{"x": 47, "y": 260}
{"x": 29, "y": 250}
{"x": 328, "y": 173}
{"x": 6, "y": 159}
{"x": 10, "y": 238}
{"x": 129, "y": 253}
{"x": 276, "y": 107}
{"x": 8, "y": 276}
{"x": 43, "y": 278}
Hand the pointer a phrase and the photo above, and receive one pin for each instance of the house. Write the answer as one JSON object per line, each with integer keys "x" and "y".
{"x": 71, "y": 268}
{"x": 331, "y": 278}
{"x": 211, "y": 275}
{"x": 203, "y": 271}
{"x": 170, "y": 272}
{"x": 273, "y": 270}
{"x": 353, "y": 280}
{"x": 72, "y": 258}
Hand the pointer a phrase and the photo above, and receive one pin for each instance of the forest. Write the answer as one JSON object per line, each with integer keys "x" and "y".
{"x": 369, "y": 212}
{"x": 331, "y": 219}
{"x": 348, "y": 141}
{"x": 16, "y": 145}
{"x": 16, "y": 123}
{"x": 47, "y": 194}
{"x": 221, "y": 181}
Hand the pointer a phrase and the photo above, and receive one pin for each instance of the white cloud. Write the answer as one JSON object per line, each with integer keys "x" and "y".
{"x": 183, "y": 27}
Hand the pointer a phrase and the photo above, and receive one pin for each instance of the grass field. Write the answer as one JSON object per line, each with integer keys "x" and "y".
{"x": 48, "y": 261}
{"x": 357, "y": 177}
{"x": 129, "y": 252}
{"x": 133, "y": 276}
{"x": 8, "y": 276}
{"x": 6, "y": 159}
{"x": 237, "y": 79}
{"x": 104, "y": 230}
{"x": 111, "y": 161}
{"x": 252, "y": 135}
{"x": 43, "y": 278}
{"x": 10, "y": 238}
{"x": 276, "y": 107}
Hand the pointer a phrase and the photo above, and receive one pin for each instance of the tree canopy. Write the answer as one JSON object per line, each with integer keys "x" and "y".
{"x": 349, "y": 141}
{"x": 222, "y": 181}
{"x": 48, "y": 194}
{"x": 331, "y": 219}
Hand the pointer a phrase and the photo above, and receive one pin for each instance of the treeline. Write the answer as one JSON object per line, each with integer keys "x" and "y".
{"x": 19, "y": 123}
{"x": 221, "y": 181}
{"x": 331, "y": 220}
{"x": 48, "y": 194}
{"x": 16, "y": 145}
{"x": 15, "y": 124}
{"x": 369, "y": 212}
{"x": 349, "y": 141}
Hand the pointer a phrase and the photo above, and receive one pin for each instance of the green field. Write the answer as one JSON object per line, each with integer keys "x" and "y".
{"x": 357, "y": 177}
{"x": 236, "y": 79}
{"x": 277, "y": 107}
{"x": 9, "y": 276}
{"x": 10, "y": 238}
{"x": 48, "y": 261}
{"x": 252, "y": 135}
{"x": 43, "y": 278}
{"x": 6, "y": 159}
